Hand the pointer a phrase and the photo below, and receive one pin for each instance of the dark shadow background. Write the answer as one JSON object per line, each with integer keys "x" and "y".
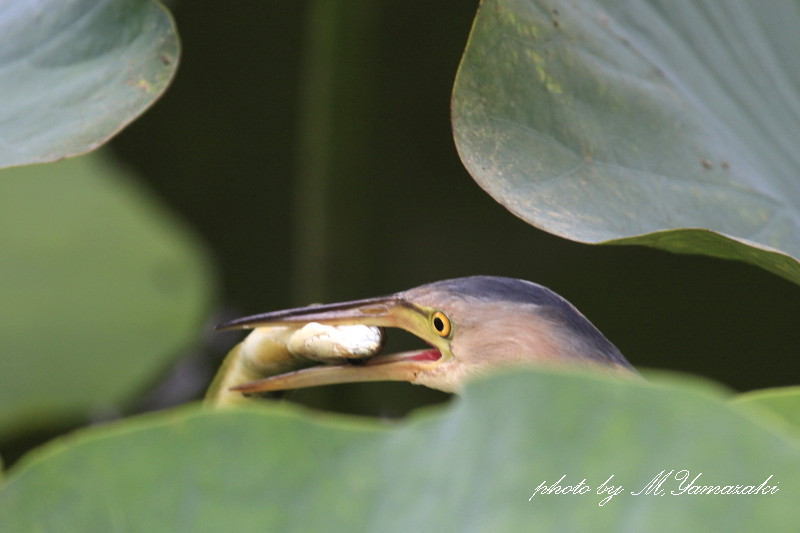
{"x": 225, "y": 148}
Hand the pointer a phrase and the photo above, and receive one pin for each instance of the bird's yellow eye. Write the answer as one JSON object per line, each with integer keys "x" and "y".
{"x": 440, "y": 323}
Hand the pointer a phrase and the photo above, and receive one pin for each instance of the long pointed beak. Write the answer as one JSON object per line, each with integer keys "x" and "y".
{"x": 404, "y": 366}
{"x": 389, "y": 311}
{"x": 385, "y": 311}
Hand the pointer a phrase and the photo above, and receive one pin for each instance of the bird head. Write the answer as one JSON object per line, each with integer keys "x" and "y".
{"x": 471, "y": 325}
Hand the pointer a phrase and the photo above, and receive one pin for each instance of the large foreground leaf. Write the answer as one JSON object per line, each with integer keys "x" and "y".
{"x": 618, "y": 121}
{"x": 100, "y": 286}
{"x": 471, "y": 467}
{"x": 782, "y": 402}
{"x": 74, "y": 72}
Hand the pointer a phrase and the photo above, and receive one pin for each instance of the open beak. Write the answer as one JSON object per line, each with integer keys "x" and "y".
{"x": 389, "y": 311}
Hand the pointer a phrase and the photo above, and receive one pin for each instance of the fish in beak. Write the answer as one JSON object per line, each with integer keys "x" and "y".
{"x": 395, "y": 311}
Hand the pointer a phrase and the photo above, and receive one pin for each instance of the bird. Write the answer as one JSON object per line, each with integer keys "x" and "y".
{"x": 472, "y": 325}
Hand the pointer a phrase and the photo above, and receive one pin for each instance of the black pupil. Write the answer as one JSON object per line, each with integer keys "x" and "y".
{"x": 438, "y": 324}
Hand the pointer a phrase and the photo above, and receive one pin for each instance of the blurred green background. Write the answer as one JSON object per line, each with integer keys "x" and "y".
{"x": 236, "y": 138}
{"x": 308, "y": 144}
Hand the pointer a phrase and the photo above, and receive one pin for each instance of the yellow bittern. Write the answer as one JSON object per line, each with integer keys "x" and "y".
{"x": 472, "y": 325}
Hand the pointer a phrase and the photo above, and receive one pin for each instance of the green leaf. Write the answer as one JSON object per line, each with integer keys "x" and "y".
{"x": 101, "y": 286}
{"x": 470, "y": 467}
{"x": 625, "y": 122}
{"x": 75, "y": 72}
{"x": 782, "y": 402}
